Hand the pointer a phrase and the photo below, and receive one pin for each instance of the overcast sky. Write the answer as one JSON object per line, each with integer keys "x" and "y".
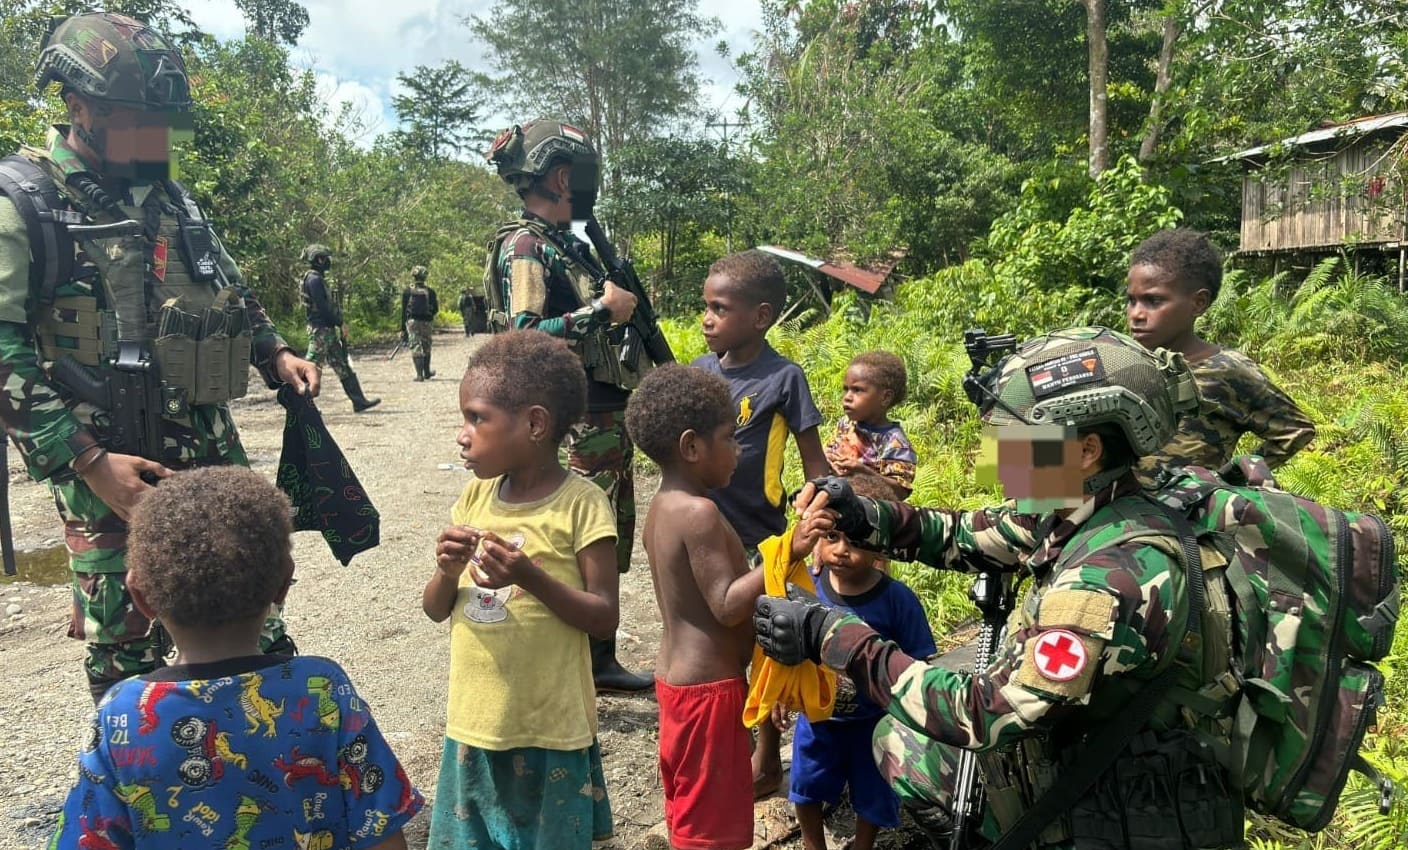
{"x": 357, "y": 47}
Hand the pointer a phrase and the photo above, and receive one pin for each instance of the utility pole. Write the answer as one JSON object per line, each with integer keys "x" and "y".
{"x": 725, "y": 125}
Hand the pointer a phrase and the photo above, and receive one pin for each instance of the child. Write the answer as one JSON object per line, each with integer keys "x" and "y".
{"x": 683, "y": 419}
{"x": 1174, "y": 276}
{"x": 867, "y": 442}
{"x": 743, "y": 297}
{"x": 834, "y": 754}
{"x": 526, "y": 572}
{"x": 229, "y": 747}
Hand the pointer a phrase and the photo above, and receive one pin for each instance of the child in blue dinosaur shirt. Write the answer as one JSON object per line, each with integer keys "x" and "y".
{"x": 229, "y": 747}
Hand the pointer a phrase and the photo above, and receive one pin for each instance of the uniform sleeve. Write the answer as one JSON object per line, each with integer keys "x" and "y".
{"x": 93, "y": 816}
{"x": 1265, "y": 410}
{"x": 35, "y": 417}
{"x": 592, "y": 518}
{"x": 14, "y": 264}
{"x": 798, "y": 407}
{"x": 955, "y": 540}
{"x": 434, "y": 302}
{"x": 530, "y": 262}
{"x": 1105, "y": 617}
{"x": 378, "y": 797}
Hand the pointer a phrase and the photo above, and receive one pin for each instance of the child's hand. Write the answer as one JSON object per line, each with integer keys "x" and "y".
{"x": 500, "y": 563}
{"x": 847, "y": 465}
{"x": 810, "y": 529}
{"x": 781, "y": 717}
{"x": 453, "y": 549}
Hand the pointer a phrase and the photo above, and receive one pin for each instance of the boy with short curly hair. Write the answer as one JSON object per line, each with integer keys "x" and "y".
{"x": 683, "y": 419}
{"x": 1174, "y": 277}
{"x": 229, "y": 747}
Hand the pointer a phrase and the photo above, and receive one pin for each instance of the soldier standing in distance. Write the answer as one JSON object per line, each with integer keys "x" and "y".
{"x": 1071, "y": 413}
{"x": 92, "y": 302}
{"x": 418, "y": 308}
{"x": 466, "y": 308}
{"x": 327, "y": 332}
{"x": 541, "y": 276}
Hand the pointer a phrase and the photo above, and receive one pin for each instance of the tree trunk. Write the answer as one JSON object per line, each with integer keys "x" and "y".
{"x": 1161, "y": 83}
{"x": 1099, "y": 86}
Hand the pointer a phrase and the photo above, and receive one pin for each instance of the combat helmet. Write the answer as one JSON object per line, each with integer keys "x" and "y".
{"x": 316, "y": 250}
{"x": 525, "y": 152}
{"x": 117, "y": 60}
{"x": 419, "y": 272}
{"x": 1092, "y": 376}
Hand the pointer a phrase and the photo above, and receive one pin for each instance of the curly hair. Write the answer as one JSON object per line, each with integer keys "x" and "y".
{"x": 875, "y": 487}
{"x": 211, "y": 546}
{"x": 1188, "y": 255}
{"x": 670, "y": 400}
{"x": 519, "y": 369}
{"x": 886, "y": 371}
{"x": 755, "y": 275}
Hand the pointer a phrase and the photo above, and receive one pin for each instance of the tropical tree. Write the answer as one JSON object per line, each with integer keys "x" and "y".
{"x": 440, "y": 110}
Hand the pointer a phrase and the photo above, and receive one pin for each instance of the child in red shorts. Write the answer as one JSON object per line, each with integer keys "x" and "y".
{"x": 683, "y": 419}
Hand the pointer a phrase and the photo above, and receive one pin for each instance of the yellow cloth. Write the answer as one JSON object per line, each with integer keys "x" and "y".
{"x": 519, "y": 675}
{"x": 806, "y": 687}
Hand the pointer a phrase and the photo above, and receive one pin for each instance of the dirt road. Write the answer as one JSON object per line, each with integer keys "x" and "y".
{"x": 366, "y": 615}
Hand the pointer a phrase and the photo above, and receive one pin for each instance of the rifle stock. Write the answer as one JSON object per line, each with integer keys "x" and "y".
{"x": 642, "y": 333}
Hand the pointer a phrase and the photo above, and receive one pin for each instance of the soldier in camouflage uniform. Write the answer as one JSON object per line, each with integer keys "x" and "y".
{"x": 539, "y": 275}
{"x": 1174, "y": 277}
{"x": 1094, "y": 626}
{"x": 327, "y": 333}
{"x": 152, "y": 293}
{"x": 418, "y": 308}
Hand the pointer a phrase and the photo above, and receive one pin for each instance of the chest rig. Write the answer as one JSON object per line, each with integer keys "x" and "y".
{"x": 145, "y": 319}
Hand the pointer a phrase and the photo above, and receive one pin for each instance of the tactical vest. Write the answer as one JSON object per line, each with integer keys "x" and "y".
{"x": 418, "y": 302}
{"x": 1173, "y": 765}
{"x": 167, "y": 294}
{"x": 600, "y": 350}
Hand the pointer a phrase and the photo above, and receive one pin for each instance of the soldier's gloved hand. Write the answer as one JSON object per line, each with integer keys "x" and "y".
{"x": 791, "y": 630}
{"x": 855, "y": 515}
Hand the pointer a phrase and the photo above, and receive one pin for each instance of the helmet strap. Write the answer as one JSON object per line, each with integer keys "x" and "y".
{"x": 1104, "y": 479}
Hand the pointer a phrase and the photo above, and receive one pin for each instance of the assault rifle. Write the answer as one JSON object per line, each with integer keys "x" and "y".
{"x": 130, "y": 392}
{"x": 993, "y": 591}
{"x": 642, "y": 332}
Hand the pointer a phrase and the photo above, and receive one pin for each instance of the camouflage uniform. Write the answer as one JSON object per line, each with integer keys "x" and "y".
{"x": 419, "y": 305}
{"x": 325, "y": 341}
{"x": 52, "y": 429}
{"x": 1237, "y": 398}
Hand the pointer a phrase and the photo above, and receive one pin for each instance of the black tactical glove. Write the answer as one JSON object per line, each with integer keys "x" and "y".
{"x": 791, "y": 630}
{"x": 855, "y": 515}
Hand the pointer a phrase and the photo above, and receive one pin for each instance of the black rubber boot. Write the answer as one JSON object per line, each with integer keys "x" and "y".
{"x": 360, "y": 402}
{"x": 420, "y": 367}
{"x": 429, "y": 372}
{"x": 935, "y": 824}
{"x": 609, "y": 675}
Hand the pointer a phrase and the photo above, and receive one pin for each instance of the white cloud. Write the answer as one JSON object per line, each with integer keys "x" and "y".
{"x": 357, "y": 47}
{"x": 365, "y": 106}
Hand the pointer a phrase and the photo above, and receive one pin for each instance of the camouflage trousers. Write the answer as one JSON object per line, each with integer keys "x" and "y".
{"x": 418, "y": 334}
{"x": 599, "y": 448}
{"x": 120, "y": 643}
{"x": 920, "y": 769}
{"x": 325, "y": 347}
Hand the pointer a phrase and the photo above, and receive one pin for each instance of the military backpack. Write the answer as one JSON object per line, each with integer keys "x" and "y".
{"x": 1298, "y": 600}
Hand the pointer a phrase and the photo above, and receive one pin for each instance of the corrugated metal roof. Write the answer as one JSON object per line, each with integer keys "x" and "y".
{"x": 1350, "y": 129}
{"x": 862, "y": 279}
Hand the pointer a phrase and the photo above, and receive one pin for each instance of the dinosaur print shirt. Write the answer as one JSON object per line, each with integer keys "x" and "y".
{"x": 243, "y": 754}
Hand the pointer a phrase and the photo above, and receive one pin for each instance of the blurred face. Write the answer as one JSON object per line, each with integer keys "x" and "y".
{"x": 835, "y": 552}
{"x": 492, "y": 440}
{"x": 132, "y": 144}
{"x": 718, "y": 455}
{"x": 1042, "y": 467}
{"x": 1159, "y": 310}
{"x": 862, "y": 398}
{"x": 730, "y": 319}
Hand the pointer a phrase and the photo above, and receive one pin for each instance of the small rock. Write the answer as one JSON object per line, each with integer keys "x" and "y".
{"x": 22, "y": 791}
{"x": 14, "y": 608}
{"x": 30, "y": 823}
{"x": 15, "y": 599}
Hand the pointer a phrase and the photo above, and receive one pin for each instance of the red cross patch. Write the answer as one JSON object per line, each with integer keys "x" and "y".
{"x": 1059, "y": 655}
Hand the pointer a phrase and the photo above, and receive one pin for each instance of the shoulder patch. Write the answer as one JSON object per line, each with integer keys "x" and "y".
{"x": 524, "y": 243}
{"x": 1086, "y": 611}
{"x": 1060, "y": 663}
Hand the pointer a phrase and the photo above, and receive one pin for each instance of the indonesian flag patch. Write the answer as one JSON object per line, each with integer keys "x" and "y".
{"x": 159, "y": 259}
{"x": 574, "y": 134}
{"x": 1060, "y": 662}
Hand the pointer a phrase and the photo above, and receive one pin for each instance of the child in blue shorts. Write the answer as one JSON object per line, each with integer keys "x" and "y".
{"x": 831, "y": 755}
